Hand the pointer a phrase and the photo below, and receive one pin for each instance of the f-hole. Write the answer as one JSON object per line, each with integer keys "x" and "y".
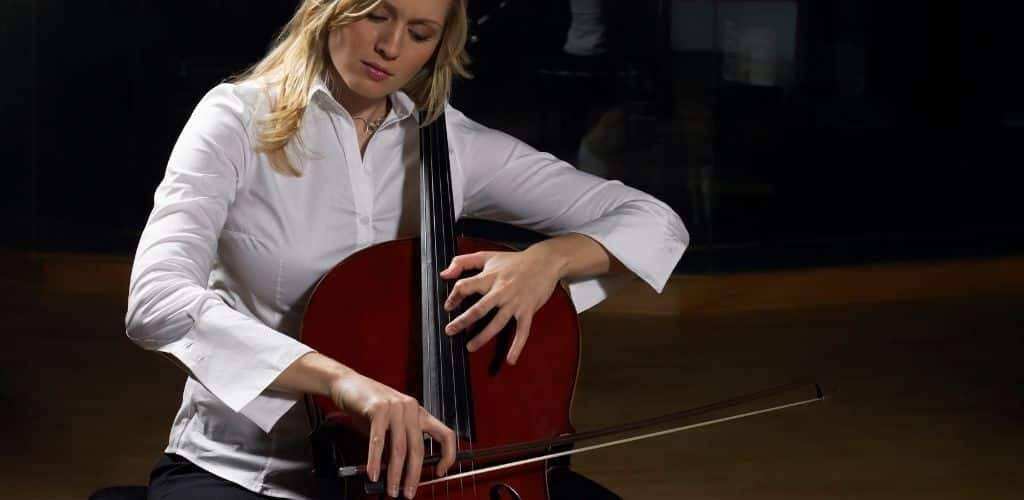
{"x": 503, "y": 491}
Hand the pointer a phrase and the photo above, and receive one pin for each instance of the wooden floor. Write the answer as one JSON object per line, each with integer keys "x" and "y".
{"x": 921, "y": 364}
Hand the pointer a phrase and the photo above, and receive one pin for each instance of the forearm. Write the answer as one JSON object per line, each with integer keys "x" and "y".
{"x": 575, "y": 255}
{"x": 312, "y": 373}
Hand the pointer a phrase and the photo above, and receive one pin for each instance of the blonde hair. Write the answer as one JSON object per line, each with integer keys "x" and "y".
{"x": 300, "y": 55}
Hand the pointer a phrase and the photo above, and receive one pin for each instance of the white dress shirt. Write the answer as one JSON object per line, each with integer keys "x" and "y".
{"x": 232, "y": 250}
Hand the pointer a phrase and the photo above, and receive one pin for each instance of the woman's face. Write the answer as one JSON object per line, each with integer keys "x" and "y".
{"x": 379, "y": 54}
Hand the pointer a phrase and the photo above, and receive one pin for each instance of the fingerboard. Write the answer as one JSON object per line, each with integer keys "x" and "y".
{"x": 446, "y": 385}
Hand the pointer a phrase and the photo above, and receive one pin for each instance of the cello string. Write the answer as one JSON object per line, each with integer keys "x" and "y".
{"x": 438, "y": 284}
{"x": 430, "y": 212}
{"x": 434, "y": 381}
{"x": 448, "y": 230}
{"x": 426, "y": 280}
{"x": 446, "y": 285}
{"x": 445, "y": 343}
{"x": 464, "y": 374}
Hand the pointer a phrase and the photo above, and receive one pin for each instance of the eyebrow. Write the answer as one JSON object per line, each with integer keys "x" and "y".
{"x": 394, "y": 12}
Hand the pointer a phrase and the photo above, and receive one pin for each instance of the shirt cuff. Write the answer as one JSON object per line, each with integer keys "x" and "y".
{"x": 589, "y": 292}
{"x": 648, "y": 251}
{"x": 268, "y": 408}
{"x": 237, "y": 358}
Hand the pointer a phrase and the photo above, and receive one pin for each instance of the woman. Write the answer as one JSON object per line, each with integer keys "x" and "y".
{"x": 304, "y": 160}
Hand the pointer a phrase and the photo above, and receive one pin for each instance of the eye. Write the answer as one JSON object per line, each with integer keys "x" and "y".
{"x": 376, "y": 17}
{"x": 418, "y": 37}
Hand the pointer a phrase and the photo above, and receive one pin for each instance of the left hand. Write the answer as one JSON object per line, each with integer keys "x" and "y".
{"x": 517, "y": 283}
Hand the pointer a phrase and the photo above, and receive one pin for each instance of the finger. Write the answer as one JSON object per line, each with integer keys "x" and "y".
{"x": 461, "y": 263}
{"x": 471, "y": 315}
{"x": 398, "y": 449}
{"x": 497, "y": 323}
{"x": 444, "y": 435}
{"x": 519, "y": 342}
{"x": 466, "y": 287}
{"x": 378, "y": 428}
{"x": 414, "y": 464}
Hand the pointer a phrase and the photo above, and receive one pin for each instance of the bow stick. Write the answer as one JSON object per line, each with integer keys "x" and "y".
{"x": 809, "y": 393}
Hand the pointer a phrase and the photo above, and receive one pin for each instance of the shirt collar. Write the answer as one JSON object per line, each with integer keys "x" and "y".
{"x": 402, "y": 106}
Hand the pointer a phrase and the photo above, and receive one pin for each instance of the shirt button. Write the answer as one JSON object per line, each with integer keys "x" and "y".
{"x": 364, "y": 220}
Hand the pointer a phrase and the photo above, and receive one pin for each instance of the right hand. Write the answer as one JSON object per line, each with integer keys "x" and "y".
{"x": 389, "y": 413}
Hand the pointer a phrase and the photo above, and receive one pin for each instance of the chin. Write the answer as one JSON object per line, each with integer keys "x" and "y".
{"x": 372, "y": 90}
{"x": 369, "y": 89}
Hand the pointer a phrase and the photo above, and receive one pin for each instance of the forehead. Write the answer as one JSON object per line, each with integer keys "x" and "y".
{"x": 428, "y": 10}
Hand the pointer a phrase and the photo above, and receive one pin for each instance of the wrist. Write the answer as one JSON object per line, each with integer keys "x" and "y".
{"x": 313, "y": 373}
{"x": 551, "y": 253}
{"x": 336, "y": 380}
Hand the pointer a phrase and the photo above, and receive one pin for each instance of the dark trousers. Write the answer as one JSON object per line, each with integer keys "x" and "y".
{"x": 175, "y": 478}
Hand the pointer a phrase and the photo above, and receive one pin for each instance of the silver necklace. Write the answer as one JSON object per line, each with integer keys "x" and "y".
{"x": 370, "y": 126}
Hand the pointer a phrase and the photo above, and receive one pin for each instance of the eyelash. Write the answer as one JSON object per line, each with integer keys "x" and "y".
{"x": 415, "y": 36}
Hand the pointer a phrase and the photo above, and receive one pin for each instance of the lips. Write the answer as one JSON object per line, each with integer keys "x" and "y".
{"x": 376, "y": 72}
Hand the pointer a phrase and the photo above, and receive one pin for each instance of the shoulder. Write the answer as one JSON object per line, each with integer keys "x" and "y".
{"x": 468, "y": 133}
{"x": 222, "y": 123}
{"x": 457, "y": 122}
{"x": 234, "y": 104}
{"x": 472, "y": 137}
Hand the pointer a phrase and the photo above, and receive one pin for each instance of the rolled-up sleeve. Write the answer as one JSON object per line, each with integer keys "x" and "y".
{"x": 170, "y": 308}
{"x": 508, "y": 181}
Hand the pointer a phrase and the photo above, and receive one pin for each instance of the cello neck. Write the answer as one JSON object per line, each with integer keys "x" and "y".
{"x": 446, "y": 391}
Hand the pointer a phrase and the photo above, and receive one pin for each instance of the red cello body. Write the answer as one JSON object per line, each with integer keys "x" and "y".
{"x": 366, "y": 314}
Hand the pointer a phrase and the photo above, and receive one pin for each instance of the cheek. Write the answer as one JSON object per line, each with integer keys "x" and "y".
{"x": 418, "y": 58}
{"x": 345, "y": 44}
{"x": 337, "y": 48}
{"x": 360, "y": 36}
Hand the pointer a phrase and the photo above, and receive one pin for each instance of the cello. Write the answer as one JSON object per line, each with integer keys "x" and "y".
{"x": 397, "y": 308}
{"x": 510, "y": 421}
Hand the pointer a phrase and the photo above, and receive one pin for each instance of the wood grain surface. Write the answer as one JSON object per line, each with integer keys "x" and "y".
{"x": 920, "y": 362}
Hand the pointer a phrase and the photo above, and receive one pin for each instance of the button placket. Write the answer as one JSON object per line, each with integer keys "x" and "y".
{"x": 362, "y": 186}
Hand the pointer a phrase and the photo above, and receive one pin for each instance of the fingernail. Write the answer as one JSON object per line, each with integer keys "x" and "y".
{"x": 394, "y": 492}
{"x": 410, "y": 492}
{"x": 441, "y": 473}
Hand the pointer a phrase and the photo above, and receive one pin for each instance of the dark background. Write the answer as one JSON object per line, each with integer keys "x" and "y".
{"x": 816, "y": 134}
{"x": 892, "y": 132}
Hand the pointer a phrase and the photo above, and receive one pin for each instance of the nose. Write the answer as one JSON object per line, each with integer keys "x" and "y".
{"x": 388, "y": 44}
